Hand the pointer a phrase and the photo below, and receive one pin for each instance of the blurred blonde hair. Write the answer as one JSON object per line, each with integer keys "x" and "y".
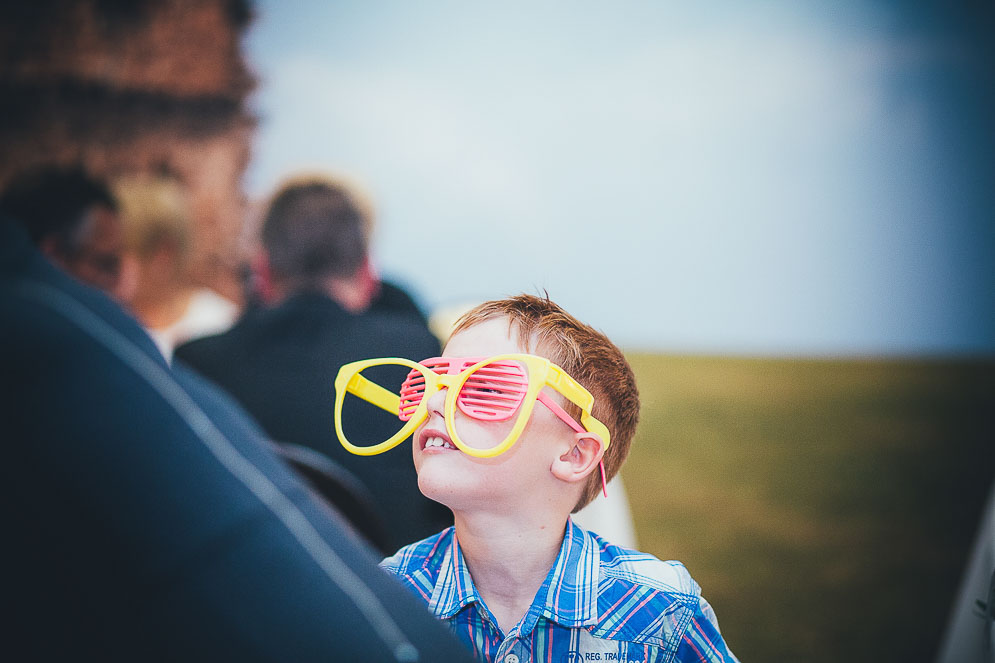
{"x": 156, "y": 213}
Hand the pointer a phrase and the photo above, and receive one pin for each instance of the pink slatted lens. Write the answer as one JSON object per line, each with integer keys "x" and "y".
{"x": 494, "y": 391}
{"x": 413, "y": 388}
{"x": 411, "y": 394}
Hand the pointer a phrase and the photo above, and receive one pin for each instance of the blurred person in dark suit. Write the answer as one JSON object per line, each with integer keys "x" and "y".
{"x": 73, "y": 219}
{"x": 280, "y": 360}
{"x": 147, "y": 517}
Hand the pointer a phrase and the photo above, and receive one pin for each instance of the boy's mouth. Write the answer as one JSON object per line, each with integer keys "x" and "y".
{"x": 431, "y": 440}
{"x": 438, "y": 443}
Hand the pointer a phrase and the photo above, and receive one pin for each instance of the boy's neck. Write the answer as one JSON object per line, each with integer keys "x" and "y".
{"x": 508, "y": 560}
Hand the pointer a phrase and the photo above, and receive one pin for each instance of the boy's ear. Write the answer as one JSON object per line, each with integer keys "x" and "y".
{"x": 581, "y": 459}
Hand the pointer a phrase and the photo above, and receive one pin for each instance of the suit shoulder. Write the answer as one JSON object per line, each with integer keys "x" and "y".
{"x": 400, "y": 335}
{"x": 196, "y": 352}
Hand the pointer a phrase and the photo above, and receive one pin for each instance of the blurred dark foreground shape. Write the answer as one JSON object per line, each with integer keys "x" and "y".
{"x": 147, "y": 518}
{"x": 340, "y": 488}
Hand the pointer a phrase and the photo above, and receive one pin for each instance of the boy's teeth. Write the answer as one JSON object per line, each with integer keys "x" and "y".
{"x": 438, "y": 442}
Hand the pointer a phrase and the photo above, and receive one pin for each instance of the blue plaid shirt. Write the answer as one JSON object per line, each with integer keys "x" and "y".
{"x": 599, "y": 602}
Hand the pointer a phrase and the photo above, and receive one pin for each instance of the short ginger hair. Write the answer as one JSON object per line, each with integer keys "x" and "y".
{"x": 588, "y": 356}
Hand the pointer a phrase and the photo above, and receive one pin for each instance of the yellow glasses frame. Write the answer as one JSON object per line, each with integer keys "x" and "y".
{"x": 541, "y": 373}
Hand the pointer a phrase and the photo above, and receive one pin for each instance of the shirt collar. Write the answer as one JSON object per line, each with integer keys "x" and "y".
{"x": 568, "y": 596}
{"x": 454, "y": 587}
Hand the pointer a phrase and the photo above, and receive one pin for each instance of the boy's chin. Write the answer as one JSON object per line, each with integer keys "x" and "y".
{"x": 444, "y": 489}
{"x": 434, "y": 490}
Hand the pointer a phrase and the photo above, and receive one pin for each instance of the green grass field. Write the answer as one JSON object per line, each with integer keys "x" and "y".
{"x": 825, "y": 506}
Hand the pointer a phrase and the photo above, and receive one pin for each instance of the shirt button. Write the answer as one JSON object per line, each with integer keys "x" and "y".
{"x": 511, "y": 658}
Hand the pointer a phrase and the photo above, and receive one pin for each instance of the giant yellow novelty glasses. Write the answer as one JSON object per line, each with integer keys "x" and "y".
{"x": 503, "y": 388}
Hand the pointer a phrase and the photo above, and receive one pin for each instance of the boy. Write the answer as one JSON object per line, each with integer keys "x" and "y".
{"x": 515, "y": 578}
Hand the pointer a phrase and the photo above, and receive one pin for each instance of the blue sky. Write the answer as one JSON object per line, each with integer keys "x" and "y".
{"x": 767, "y": 179}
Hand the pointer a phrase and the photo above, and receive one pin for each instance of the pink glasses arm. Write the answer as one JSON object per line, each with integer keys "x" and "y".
{"x": 559, "y": 412}
{"x": 570, "y": 421}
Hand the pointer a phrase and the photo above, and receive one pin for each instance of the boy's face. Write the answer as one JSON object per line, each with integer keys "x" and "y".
{"x": 464, "y": 482}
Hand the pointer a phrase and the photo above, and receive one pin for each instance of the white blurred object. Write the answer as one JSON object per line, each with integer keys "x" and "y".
{"x": 206, "y": 313}
{"x": 610, "y": 517}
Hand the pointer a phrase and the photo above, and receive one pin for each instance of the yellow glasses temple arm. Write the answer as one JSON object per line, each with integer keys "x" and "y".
{"x": 580, "y": 397}
{"x": 373, "y": 393}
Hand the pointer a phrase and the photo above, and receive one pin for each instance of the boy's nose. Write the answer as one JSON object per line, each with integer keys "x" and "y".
{"x": 437, "y": 401}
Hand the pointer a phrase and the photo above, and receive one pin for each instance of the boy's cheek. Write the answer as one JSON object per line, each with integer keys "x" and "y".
{"x": 483, "y": 434}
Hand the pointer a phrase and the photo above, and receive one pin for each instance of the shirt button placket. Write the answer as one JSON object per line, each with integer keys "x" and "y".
{"x": 513, "y": 650}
